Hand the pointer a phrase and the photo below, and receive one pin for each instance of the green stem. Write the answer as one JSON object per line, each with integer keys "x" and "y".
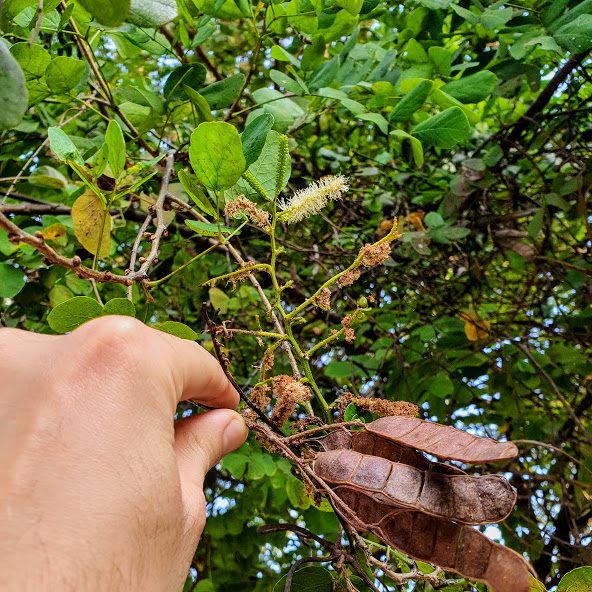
{"x": 187, "y": 263}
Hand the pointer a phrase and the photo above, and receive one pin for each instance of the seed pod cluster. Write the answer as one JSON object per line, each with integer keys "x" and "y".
{"x": 425, "y": 508}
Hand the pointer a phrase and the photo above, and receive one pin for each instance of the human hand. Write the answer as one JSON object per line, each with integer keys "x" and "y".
{"x": 99, "y": 488}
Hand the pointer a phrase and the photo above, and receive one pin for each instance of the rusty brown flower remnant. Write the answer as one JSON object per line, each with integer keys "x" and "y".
{"x": 242, "y": 204}
{"x": 289, "y": 393}
{"x": 375, "y": 254}
{"x": 259, "y": 398}
{"x": 348, "y": 331}
{"x": 385, "y": 408}
{"x": 349, "y": 277}
{"x": 323, "y": 300}
{"x": 268, "y": 362}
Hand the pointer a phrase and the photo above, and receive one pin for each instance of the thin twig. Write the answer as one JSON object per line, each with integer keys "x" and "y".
{"x": 211, "y": 326}
{"x": 136, "y": 246}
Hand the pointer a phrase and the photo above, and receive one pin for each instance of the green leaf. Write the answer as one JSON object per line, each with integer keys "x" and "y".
{"x": 352, "y": 6}
{"x": 12, "y": 280}
{"x": 280, "y": 54}
{"x": 536, "y": 224}
{"x": 119, "y": 306}
{"x": 152, "y": 13}
{"x": 578, "y": 580}
{"x": 571, "y": 15}
{"x": 440, "y": 385}
{"x": 235, "y": 463}
{"x": 553, "y": 199}
{"x": 13, "y": 93}
{"x": 219, "y": 299}
{"x": 261, "y": 464}
{"x": 116, "y": 143}
{"x": 108, "y": 12}
{"x": 176, "y": 329}
{"x": 222, "y": 94}
{"x": 191, "y": 75}
{"x": 444, "y": 130}
{"x": 201, "y": 105}
{"x": 536, "y": 586}
{"x": 63, "y": 74}
{"x": 472, "y": 89}
{"x": 338, "y": 370}
{"x": 377, "y": 119}
{"x": 411, "y": 102}
{"x": 494, "y": 19}
{"x": 67, "y": 316}
{"x": 296, "y": 494}
{"x": 441, "y": 58}
{"x": 206, "y": 229}
{"x": 196, "y": 194}
{"x": 576, "y": 36}
{"x": 33, "y": 59}
{"x": 416, "y": 147}
{"x": 216, "y": 155}
{"x": 351, "y": 413}
{"x": 284, "y": 81}
{"x": 254, "y": 136}
{"x": 308, "y": 579}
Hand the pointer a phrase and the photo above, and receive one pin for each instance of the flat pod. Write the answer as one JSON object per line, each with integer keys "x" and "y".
{"x": 445, "y": 442}
{"x": 464, "y": 498}
{"x": 451, "y": 546}
{"x": 369, "y": 443}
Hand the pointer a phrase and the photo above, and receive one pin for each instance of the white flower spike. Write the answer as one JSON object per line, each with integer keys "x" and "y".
{"x": 313, "y": 199}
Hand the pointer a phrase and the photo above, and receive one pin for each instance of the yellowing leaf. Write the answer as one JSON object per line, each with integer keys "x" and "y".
{"x": 92, "y": 224}
{"x": 54, "y": 231}
{"x": 475, "y": 328}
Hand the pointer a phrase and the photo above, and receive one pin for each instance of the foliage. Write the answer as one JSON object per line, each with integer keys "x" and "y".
{"x": 468, "y": 122}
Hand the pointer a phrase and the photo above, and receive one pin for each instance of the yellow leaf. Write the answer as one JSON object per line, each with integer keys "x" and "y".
{"x": 475, "y": 328}
{"x": 92, "y": 224}
{"x": 54, "y": 231}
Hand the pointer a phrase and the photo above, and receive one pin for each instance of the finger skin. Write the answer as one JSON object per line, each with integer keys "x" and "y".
{"x": 96, "y": 490}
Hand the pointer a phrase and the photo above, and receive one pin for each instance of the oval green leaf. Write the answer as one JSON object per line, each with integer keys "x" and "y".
{"x": 444, "y": 130}
{"x": 13, "y": 93}
{"x": 216, "y": 155}
{"x": 67, "y": 316}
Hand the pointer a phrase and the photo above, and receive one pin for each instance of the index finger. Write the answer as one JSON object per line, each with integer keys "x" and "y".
{"x": 184, "y": 368}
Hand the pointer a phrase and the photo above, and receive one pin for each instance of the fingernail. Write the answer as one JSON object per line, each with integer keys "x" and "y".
{"x": 235, "y": 434}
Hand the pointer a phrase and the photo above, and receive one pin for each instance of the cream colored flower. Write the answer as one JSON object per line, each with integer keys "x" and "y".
{"x": 313, "y": 199}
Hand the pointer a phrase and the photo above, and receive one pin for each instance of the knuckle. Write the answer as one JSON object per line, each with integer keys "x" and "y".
{"x": 113, "y": 340}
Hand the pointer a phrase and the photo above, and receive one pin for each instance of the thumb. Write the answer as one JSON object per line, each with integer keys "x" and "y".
{"x": 201, "y": 441}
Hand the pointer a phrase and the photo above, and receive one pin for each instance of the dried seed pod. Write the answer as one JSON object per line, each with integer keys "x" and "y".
{"x": 338, "y": 439}
{"x": 368, "y": 443}
{"x": 451, "y": 546}
{"x": 444, "y": 442}
{"x": 471, "y": 500}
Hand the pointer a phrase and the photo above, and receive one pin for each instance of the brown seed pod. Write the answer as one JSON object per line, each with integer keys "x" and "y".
{"x": 471, "y": 500}
{"x": 444, "y": 442}
{"x": 451, "y": 546}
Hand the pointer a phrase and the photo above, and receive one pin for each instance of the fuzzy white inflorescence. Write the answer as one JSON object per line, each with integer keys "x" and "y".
{"x": 313, "y": 199}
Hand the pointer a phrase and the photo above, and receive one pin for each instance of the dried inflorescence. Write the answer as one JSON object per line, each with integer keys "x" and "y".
{"x": 385, "y": 408}
{"x": 289, "y": 393}
{"x": 313, "y": 199}
{"x": 347, "y": 330}
{"x": 323, "y": 300}
{"x": 259, "y": 399}
{"x": 375, "y": 254}
{"x": 349, "y": 277}
{"x": 241, "y": 204}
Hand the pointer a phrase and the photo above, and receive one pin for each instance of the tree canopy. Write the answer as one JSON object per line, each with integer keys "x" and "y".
{"x": 380, "y": 201}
